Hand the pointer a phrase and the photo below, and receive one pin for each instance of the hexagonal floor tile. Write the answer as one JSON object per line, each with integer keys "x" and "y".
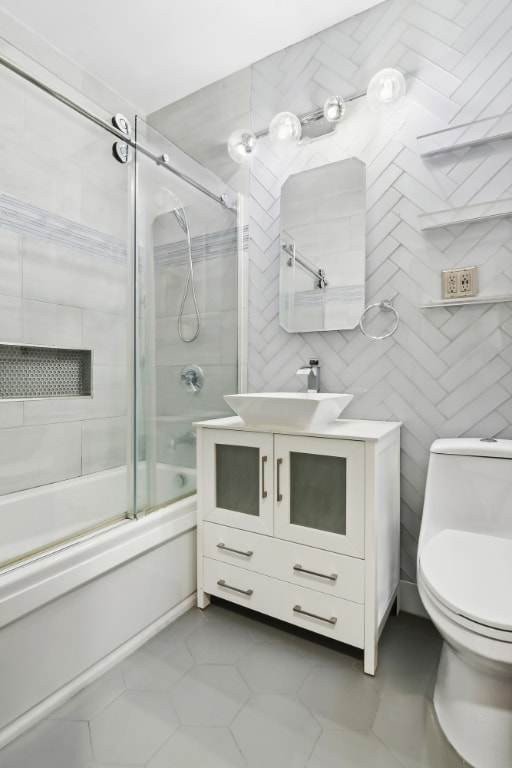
{"x": 275, "y": 731}
{"x": 210, "y": 694}
{"x": 91, "y": 700}
{"x": 152, "y": 668}
{"x": 50, "y": 744}
{"x": 408, "y": 726}
{"x": 193, "y": 746}
{"x": 351, "y": 749}
{"x": 218, "y": 642}
{"x": 273, "y": 668}
{"x": 339, "y": 698}
{"x": 133, "y": 727}
{"x": 409, "y": 651}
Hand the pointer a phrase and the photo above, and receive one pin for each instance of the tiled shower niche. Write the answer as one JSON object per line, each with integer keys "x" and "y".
{"x": 39, "y": 372}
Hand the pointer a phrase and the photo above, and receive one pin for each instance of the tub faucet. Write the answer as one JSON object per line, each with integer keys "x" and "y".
{"x": 312, "y": 372}
{"x": 187, "y": 439}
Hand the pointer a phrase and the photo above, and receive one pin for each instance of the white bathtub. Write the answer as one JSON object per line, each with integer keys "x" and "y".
{"x": 69, "y": 615}
{"x": 30, "y": 519}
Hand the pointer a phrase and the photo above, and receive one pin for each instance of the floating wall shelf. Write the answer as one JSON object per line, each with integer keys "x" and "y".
{"x": 466, "y": 135}
{"x": 474, "y": 300}
{"x": 466, "y": 214}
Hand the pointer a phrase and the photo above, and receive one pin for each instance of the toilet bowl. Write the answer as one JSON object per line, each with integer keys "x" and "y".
{"x": 465, "y": 583}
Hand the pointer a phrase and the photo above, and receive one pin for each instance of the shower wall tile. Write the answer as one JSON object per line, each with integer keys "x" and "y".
{"x": 32, "y": 456}
{"x": 11, "y": 328}
{"x": 228, "y": 337}
{"x": 107, "y": 335}
{"x": 10, "y": 263}
{"x": 51, "y": 324}
{"x": 205, "y": 349}
{"x": 11, "y": 415}
{"x": 104, "y": 444}
{"x": 109, "y": 385}
{"x": 59, "y": 275}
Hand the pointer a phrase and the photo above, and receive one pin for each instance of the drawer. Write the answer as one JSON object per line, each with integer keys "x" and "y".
{"x": 317, "y": 569}
{"x": 327, "y": 615}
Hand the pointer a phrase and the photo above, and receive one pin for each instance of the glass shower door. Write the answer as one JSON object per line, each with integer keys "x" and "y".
{"x": 64, "y": 306}
{"x": 187, "y": 245}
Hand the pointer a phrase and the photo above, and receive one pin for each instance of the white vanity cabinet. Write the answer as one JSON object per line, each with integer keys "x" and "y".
{"x": 302, "y": 526}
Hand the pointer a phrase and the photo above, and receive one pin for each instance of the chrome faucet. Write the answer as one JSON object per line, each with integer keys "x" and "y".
{"x": 312, "y": 371}
{"x": 187, "y": 439}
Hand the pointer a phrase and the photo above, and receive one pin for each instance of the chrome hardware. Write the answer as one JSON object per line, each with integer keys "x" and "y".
{"x": 189, "y": 438}
{"x": 249, "y": 552}
{"x": 386, "y": 306}
{"x": 279, "y": 494}
{"x": 122, "y": 152}
{"x": 122, "y": 124}
{"x": 298, "y": 609}
{"x": 222, "y": 583}
{"x": 312, "y": 372}
{"x": 331, "y": 577}
{"x": 263, "y": 491}
{"x": 192, "y": 378}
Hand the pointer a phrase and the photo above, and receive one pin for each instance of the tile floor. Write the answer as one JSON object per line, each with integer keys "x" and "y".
{"x": 225, "y": 689}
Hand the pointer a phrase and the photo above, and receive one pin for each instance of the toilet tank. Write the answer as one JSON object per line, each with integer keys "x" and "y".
{"x": 469, "y": 488}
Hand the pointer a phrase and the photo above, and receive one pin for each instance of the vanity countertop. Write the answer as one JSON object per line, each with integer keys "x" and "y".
{"x": 349, "y": 429}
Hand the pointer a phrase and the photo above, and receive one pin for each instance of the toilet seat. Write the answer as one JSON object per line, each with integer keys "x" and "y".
{"x": 470, "y": 575}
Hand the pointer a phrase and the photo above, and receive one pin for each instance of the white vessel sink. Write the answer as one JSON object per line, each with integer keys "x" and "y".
{"x": 298, "y": 410}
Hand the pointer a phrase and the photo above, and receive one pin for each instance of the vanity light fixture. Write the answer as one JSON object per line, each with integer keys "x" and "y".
{"x": 386, "y": 89}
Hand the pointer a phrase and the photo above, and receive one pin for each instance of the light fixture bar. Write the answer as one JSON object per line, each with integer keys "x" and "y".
{"x": 312, "y": 117}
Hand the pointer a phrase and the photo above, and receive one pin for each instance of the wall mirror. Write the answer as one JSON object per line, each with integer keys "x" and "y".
{"x": 322, "y": 266}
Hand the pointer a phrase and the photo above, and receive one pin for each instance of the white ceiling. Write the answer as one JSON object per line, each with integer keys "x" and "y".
{"x": 157, "y": 51}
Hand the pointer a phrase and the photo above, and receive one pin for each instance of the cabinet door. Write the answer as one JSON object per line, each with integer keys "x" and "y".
{"x": 238, "y": 481}
{"x": 319, "y": 486}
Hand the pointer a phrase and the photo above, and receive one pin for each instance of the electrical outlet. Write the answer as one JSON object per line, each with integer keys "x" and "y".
{"x": 459, "y": 283}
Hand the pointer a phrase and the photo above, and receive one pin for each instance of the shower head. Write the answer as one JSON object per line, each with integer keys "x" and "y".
{"x": 181, "y": 219}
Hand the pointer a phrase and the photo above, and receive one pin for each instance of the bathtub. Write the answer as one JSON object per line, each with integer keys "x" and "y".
{"x": 71, "y": 613}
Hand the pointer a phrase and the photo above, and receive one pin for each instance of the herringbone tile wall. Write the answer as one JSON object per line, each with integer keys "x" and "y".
{"x": 446, "y": 371}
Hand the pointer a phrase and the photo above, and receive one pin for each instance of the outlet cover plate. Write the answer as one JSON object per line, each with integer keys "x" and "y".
{"x": 459, "y": 283}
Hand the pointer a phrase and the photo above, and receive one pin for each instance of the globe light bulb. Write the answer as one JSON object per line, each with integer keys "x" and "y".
{"x": 242, "y": 145}
{"x": 334, "y": 109}
{"x": 285, "y": 126}
{"x": 386, "y": 89}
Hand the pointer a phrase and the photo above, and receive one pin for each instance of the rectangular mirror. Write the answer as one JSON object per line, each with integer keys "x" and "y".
{"x": 322, "y": 267}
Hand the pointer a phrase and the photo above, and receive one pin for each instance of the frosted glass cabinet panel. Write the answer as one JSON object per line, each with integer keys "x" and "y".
{"x": 237, "y": 478}
{"x": 320, "y": 492}
{"x": 318, "y": 497}
{"x": 238, "y": 482}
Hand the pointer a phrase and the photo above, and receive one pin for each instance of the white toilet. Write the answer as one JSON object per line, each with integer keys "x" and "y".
{"x": 465, "y": 582}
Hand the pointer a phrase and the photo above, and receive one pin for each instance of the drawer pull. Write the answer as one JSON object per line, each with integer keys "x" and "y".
{"x": 263, "y": 491}
{"x": 222, "y": 583}
{"x": 248, "y": 553}
{"x": 331, "y": 577}
{"x": 279, "y": 494}
{"x": 298, "y": 609}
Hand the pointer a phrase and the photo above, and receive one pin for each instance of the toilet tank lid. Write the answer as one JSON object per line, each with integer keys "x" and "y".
{"x": 474, "y": 446}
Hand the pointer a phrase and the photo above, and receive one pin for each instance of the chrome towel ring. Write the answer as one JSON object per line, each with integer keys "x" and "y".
{"x": 386, "y": 306}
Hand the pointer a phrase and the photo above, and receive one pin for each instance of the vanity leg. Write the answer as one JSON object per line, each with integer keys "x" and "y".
{"x": 203, "y": 599}
{"x": 370, "y": 659}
